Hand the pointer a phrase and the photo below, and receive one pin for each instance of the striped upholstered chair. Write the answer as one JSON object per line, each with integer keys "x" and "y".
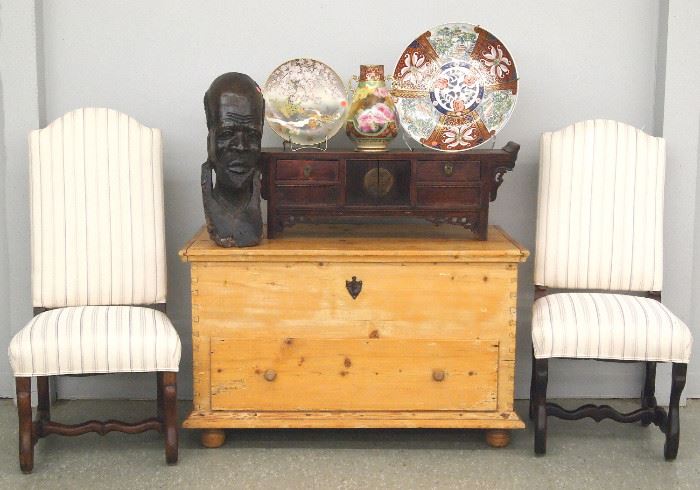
{"x": 600, "y": 228}
{"x": 97, "y": 249}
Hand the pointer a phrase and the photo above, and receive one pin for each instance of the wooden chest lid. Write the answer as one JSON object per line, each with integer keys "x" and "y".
{"x": 364, "y": 243}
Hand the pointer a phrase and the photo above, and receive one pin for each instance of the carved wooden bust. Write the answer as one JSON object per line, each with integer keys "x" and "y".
{"x": 235, "y": 109}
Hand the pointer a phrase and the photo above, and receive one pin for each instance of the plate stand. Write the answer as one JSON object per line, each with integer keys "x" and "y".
{"x": 291, "y": 146}
{"x": 403, "y": 137}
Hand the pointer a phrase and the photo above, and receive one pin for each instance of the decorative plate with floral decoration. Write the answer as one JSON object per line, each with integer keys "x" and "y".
{"x": 455, "y": 87}
{"x": 305, "y": 101}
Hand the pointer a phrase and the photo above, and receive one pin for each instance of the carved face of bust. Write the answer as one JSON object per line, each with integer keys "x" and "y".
{"x": 235, "y": 109}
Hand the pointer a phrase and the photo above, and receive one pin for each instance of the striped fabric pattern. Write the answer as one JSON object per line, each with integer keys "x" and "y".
{"x": 608, "y": 326}
{"x": 95, "y": 339}
{"x": 97, "y": 216}
{"x": 600, "y": 208}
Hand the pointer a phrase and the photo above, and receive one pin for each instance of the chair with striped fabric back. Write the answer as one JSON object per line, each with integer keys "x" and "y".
{"x": 600, "y": 228}
{"x": 98, "y": 270}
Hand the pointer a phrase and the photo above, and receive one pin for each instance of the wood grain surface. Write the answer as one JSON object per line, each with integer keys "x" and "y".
{"x": 429, "y": 341}
{"x": 353, "y": 374}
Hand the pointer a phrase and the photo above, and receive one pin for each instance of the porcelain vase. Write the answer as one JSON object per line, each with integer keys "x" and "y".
{"x": 371, "y": 121}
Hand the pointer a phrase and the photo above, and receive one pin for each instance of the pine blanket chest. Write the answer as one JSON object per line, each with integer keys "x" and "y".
{"x": 345, "y": 326}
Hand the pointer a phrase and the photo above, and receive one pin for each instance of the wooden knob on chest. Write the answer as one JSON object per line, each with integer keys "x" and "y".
{"x": 438, "y": 374}
{"x": 270, "y": 375}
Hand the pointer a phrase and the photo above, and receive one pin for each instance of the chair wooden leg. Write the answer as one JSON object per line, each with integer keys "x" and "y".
{"x": 169, "y": 390}
{"x": 648, "y": 398}
{"x": 159, "y": 403}
{"x": 24, "y": 411}
{"x": 673, "y": 427}
{"x": 532, "y": 389}
{"x": 541, "y": 375}
{"x": 43, "y": 409}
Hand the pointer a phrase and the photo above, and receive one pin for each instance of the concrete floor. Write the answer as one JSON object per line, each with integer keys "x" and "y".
{"x": 581, "y": 455}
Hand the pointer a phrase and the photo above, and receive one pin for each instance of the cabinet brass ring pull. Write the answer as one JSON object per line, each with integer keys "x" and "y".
{"x": 438, "y": 374}
{"x": 307, "y": 171}
{"x": 449, "y": 169}
{"x": 270, "y": 375}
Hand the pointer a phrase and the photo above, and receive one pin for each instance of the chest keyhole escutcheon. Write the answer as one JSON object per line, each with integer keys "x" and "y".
{"x": 354, "y": 287}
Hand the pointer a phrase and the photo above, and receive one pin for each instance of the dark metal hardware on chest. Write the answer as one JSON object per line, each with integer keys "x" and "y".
{"x": 354, "y": 287}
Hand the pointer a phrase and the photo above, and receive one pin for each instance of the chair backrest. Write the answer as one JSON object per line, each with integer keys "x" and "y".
{"x": 96, "y": 181}
{"x": 600, "y": 208}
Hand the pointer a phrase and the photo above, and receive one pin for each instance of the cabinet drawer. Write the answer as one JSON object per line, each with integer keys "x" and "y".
{"x": 293, "y": 299}
{"x": 315, "y": 170}
{"x": 447, "y": 197}
{"x": 448, "y": 171}
{"x": 353, "y": 374}
{"x": 307, "y": 195}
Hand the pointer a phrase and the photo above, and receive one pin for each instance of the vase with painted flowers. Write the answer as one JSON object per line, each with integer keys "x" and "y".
{"x": 371, "y": 122}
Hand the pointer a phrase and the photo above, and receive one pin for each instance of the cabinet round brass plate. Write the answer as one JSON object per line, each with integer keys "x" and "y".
{"x": 378, "y": 182}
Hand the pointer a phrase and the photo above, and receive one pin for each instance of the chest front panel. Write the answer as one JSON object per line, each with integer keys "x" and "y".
{"x": 352, "y": 329}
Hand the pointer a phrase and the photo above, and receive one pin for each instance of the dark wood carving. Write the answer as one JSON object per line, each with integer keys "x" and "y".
{"x": 235, "y": 109}
{"x": 673, "y": 427}
{"x": 464, "y": 221}
{"x": 498, "y": 174}
{"x": 655, "y": 295}
{"x": 168, "y": 420}
{"x": 27, "y": 436}
{"x": 291, "y": 220}
{"x": 317, "y": 186}
{"x": 540, "y": 291}
{"x": 31, "y": 431}
{"x": 46, "y": 428}
{"x": 602, "y": 412}
{"x": 43, "y": 409}
{"x": 540, "y": 377}
{"x": 500, "y": 171}
{"x": 648, "y": 399}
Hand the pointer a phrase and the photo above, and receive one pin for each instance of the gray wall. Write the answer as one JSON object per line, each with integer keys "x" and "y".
{"x": 681, "y": 128}
{"x": 153, "y": 60}
{"x": 19, "y": 113}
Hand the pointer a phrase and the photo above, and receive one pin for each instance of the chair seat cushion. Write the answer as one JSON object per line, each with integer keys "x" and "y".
{"x": 608, "y": 326}
{"x": 95, "y": 339}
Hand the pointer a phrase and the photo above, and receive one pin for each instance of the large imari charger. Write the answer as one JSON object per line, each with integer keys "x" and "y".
{"x": 455, "y": 87}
